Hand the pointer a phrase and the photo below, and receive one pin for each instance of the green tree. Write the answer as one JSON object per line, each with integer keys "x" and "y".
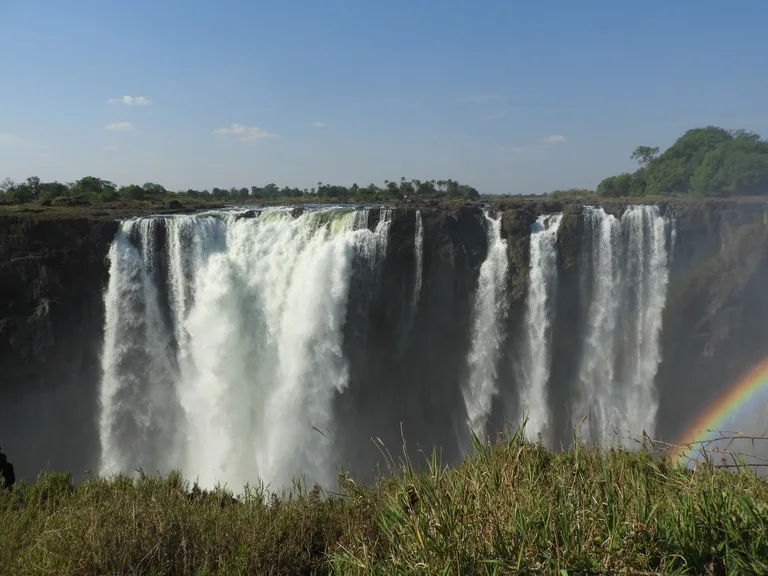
{"x": 51, "y": 190}
{"x": 392, "y": 188}
{"x": 374, "y": 191}
{"x": 271, "y": 191}
{"x": 738, "y": 167}
{"x": 645, "y": 155}
{"x": 468, "y": 192}
{"x": 131, "y": 192}
{"x": 94, "y": 189}
{"x": 671, "y": 172}
{"x": 638, "y": 186}
{"x": 5, "y": 186}
{"x": 152, "y": 189}
{"x": 20, "y": 194}
{"x": 426, "y": 188}
{"x": 745, "y": 135}
{"x": 34, "y": 186}
{"x": 615, "y": 186}
{"x": 406, "y": 188}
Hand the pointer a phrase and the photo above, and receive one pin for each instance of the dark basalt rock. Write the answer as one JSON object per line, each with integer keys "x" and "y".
{"x": 52, "y": 273}
{"x": 248, "y": 214}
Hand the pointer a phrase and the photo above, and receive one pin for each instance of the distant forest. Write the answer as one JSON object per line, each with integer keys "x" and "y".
{"x": 92, "y": 189}
{"x": 707, "y": 161}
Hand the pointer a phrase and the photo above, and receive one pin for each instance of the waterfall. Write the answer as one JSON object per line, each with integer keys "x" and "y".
{"x": 542, "y": 276}
{"x": 138, "y": 419}
{"x": 419, "y": 253}
{"x": 236, "y": 381}
{"x": 628, "y": 277}
{"x": 224, "y": 351}
{"x": 647, "y": 282}
{"x": 489, "y": 315}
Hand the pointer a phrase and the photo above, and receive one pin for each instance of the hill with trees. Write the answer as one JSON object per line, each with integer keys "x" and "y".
{"x": 707, "y": 161}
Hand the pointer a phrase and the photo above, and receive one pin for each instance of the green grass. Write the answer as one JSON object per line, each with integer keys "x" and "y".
{"x": 514, "y": 507}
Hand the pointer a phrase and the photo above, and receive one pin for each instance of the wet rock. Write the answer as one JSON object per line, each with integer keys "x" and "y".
{"x": 247, "y": 214}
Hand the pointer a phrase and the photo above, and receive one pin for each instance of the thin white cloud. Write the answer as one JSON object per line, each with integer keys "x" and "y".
{"x": 120, "y": 127}
{"x": 554, "y": 138}
{"x": 319, "y": 124}
{"x": 130, "y": 101}
{"x": 518, "y": 149}
{"x": 243, "y": 133}
{"x": 110, "y": 148}
{"x": 9, "y": 140}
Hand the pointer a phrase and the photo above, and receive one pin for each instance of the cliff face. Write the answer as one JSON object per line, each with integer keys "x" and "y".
{"x": 402, "y": 346}
{"x": 406, "y": 351}
{"x": 51, "y": 316}
{"x": 716, "y": 318}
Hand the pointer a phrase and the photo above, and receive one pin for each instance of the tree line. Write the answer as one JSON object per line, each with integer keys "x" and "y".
{"x": 93, "y": 189}
{"x": 707, "y": 161}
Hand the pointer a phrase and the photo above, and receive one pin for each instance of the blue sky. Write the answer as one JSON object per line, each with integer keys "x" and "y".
{"x": 352, "y": 91}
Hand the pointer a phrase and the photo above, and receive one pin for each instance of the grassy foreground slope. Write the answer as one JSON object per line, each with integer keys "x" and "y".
{"x": 511, "y": 508}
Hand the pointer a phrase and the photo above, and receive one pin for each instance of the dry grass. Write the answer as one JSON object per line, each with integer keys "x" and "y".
{"x": 514, "y": 507}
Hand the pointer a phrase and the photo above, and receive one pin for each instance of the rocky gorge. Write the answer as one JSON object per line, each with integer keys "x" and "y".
{"x": 396, "y": 338}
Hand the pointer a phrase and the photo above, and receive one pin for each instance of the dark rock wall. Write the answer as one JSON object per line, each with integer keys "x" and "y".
{"x": 406, "y": 363}
{"x": 51, "y": 317}
{"x": 716, "y": 317}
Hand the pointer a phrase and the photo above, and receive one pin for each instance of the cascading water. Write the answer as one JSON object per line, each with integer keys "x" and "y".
{"x": 490, "y": 313}
{"x": 138, "y": 419}
{"x": 647, "y": 284}
{"x": 237, "y": 381}
{"x": 419, "y": 253}
{"x": 596, "y": 375}
{"x": 628, "y": 276}
{"x": 542, "y": 277}
{"x": 226, "y": 337}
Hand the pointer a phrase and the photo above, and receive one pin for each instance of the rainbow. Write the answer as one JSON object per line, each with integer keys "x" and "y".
{"x": 734, "y": 403}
